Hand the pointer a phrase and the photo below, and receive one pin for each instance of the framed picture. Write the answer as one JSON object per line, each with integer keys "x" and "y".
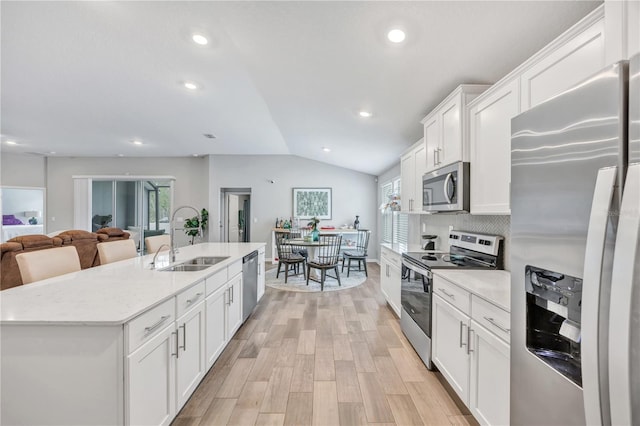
{"x": 310, "y": 202}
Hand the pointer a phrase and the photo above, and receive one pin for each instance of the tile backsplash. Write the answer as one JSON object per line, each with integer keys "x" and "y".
{"x": 438, "y": 224}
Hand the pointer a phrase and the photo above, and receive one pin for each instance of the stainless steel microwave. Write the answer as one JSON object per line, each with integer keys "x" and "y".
{"x": 446, "y": 189}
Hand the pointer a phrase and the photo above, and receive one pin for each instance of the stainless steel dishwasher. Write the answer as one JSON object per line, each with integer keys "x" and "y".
{"x": 249, "y": 284}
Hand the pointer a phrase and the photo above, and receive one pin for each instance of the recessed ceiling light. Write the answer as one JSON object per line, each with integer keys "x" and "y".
{"x": 195, "y": 155}
{"x": 11, "y": 143}
{"x": 120, "y": 155}
{"x": 325, "y": 149}
{"x": 51, "y": 153}
{"x": 190, "y": 85}
{"x": 365, "y": 114}
{"x": 136, "y": 142}
{"x": 396, "y": 35}
{"x": 200, "y": 39}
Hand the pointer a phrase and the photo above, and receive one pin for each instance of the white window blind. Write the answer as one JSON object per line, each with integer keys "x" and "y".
{"x": 394, "y": 224}
{"x": 401, "y": 228}
{"x": 387, "y": 216}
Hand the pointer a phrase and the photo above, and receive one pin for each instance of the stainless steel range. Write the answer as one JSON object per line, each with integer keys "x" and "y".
{"x": 467, "y": 251}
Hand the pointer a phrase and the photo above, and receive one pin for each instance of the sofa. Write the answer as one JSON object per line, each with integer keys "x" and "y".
{"x": 85, "y": 242}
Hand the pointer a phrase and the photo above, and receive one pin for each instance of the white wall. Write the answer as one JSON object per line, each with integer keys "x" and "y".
{"x": 190, "y": 188}
{"x": 22, "y": 170}
{"x": 354, "y": 193}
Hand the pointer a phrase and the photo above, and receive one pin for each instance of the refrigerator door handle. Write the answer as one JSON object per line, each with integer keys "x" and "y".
{"x": 592, "y": 374}
{"x": 623, "y": 321}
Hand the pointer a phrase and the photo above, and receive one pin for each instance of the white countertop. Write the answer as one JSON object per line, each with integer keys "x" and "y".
{"x": 111, "y": 294}
{"x": 403, "y": 248}
{"x": 493, "y": 286}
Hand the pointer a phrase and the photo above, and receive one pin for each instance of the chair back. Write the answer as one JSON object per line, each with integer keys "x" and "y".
{"x": 154, "y": 243}
{"x": 115, "y": 251}
{"x": 363, "y": 240}
{"x": 329, "y": 249}
{"x": 285, "y": 251}
{"x": 43, "y": 264}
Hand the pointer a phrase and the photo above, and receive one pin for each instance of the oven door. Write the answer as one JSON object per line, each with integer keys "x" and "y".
{"x": 446, "y": 189}
{"x": 415, "y": 295}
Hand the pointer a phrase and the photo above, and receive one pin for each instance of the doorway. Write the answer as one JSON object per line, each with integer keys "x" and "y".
{"x": 236, "y": 215}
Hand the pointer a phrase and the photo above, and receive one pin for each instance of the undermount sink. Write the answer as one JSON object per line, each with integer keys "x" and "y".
{"x": 195, "y": 264}
{"x": 205, "y": 260}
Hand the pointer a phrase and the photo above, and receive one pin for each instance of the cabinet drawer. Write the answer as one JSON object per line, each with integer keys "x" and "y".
{"x": 216, "y": 281}
{"x": 143, "y": 327}
{"x": 391, "y": 256}
{"x": 235, "y": 268}
{"x": 494, "y": 319}
{"x": 453, "y": 294}
{"x": 189, "y": 298}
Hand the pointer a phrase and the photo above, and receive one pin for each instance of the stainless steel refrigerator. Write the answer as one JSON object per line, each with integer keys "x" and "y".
{"x": 575, "y": 255}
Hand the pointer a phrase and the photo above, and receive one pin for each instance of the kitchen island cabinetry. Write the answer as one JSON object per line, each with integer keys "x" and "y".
{"x": 119, "y": 343}
{"x": 471, "y": 348}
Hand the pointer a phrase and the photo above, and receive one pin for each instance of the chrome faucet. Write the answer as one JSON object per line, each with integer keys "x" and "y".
{"x": 172, "y": 249}
{"x": 153, "y": 262}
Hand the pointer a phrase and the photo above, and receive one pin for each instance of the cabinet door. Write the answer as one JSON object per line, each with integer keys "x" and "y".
{"x": 191, "y": 362}
{"x": 395, "y": 275}
{"x": 489, "y": 377}
{"x": 216, "y": 326}
{"x": 384, "y": 278}
{"x": 407, "y": 174}
{"x": 491, "y": 149}
{"x": 150, "y": 376}
{"x": 451, "y": 136}
{"x": 261, "y": 279}
{"x": 432, "y": 142}
{"x": 420, "y": 163}
{"x": 571, "y": 63}
{"x": 234, "y": 305}
{"x": 450, "y": 339}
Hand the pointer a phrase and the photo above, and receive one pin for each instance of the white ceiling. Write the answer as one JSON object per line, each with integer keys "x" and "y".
{"x": 87, "y": 78}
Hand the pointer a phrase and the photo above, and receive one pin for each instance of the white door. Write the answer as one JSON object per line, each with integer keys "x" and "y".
{"x": 190, "y": 365}
{"x": 150, "y": 390}
{"x": 489, "y": 377}
{"x": 451, "y": 139}
{"x": 450, "y": 327}
{"x": 432, "y": 141}
{"x": 233, "y": 206}
{"x": 216, "y": 327}
{"x": 234, "y": 305}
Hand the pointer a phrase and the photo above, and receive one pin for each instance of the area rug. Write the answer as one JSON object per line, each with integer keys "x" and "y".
{"x": 298, "y": 283}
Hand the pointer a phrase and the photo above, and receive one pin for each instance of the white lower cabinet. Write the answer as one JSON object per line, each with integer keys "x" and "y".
{"x": 261, "y": 278}
{"x": 234, "y": 304}
{"x": 150, "y": 374}
{"x": 216, "y": 328}
{"x": 390, "y": 277}
{"x": 474, "y": 360}
{"x": 190, "y": 360}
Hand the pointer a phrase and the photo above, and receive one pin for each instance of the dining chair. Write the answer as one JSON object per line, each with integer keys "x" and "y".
{"x": 327, "y": 257}
{"x": 115, "y": 251}
{"x": 360, "y": 252}
{"x": 152, "y": 244}
{"x": 43, "y": 264}
{"x": 289, "y": 256}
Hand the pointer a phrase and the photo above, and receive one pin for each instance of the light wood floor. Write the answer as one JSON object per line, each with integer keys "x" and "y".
{"x": 332, "y": 358}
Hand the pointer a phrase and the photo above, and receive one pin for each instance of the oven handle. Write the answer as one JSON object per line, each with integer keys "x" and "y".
{"x": 422, "y": 271}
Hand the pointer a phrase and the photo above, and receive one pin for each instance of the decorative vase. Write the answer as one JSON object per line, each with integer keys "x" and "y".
{"x": 33, "y": 221}
{"x": 315, "y": 235}
{"x": 356, "y": 223}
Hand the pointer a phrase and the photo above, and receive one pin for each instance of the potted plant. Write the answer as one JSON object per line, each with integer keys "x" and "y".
{"x": 195, "y": 223}
{"x": 313, "y": 223}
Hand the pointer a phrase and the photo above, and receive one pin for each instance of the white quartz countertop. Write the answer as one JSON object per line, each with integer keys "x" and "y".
{"x": 403, "y": 248}
{"x": 493, "y": 286}
{"x": 114, "y": 293}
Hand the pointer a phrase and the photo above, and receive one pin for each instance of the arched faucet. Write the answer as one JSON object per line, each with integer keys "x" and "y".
{"x": 172, "y": 250}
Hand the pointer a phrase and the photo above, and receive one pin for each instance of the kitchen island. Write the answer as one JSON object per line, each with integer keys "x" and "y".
{"x": 119, "y": 343}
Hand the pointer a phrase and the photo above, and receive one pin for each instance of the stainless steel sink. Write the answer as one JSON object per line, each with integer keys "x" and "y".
{"x": 205, "y": 260}
{"x": 182, "y": 267}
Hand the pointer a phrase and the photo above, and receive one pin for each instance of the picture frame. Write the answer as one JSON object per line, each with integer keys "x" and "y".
{"x": 312, "y": 202}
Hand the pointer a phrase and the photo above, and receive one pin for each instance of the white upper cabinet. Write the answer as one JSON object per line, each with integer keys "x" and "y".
{"x": 571, "y": 58}
{"x": 412, "y": 167}
{"x": 446, "y": 128}
{"x": 622, "y": 29}
{"x": 491, "y": 148}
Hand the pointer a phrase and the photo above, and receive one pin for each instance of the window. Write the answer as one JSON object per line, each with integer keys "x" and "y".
{"x": 394, "y": 224}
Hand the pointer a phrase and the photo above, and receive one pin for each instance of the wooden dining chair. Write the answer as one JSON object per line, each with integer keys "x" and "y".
{"x": 115, "y": 251}
{"x": 327, "y": 257}
{"x": 360, "y": 252}
{"x": 43, "y": 264}
{"x": 289, "y": 256}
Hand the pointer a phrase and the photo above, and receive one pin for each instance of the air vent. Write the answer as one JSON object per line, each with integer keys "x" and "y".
{"x": 209, "y": 136}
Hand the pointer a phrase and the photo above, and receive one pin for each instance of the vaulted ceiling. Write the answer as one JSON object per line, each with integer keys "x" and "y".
{"x": 89, "y": 78}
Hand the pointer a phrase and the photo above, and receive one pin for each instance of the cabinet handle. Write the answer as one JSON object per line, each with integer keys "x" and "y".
{"x": 233, "y": 295}
{"x": 451, "y": 296}
{"x": 469, "y": 331}
{"x": 184, "y": 337}
{"x": 439, "y": 150}
{"x": 153, "y": 327}
{"x": 177, "y": 354}
{"x": 434, "y": 157}
{"x": 228, "y": 296}
{"x": 196, "y": 297}
{"x": 495, "y": 324}
{"x": 462, "y": 325}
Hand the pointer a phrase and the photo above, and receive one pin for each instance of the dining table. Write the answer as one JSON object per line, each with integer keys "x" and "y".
{"x": 312, "y": 247}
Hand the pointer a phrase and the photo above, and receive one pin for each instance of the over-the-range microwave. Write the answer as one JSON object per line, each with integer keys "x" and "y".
{"x": 446, "y": 189}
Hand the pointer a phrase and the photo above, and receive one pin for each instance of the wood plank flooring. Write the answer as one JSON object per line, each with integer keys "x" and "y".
{"x": 332, "y": 358}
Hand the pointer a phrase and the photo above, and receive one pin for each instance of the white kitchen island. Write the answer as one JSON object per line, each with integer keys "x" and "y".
{"x": 119, "y": 343}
